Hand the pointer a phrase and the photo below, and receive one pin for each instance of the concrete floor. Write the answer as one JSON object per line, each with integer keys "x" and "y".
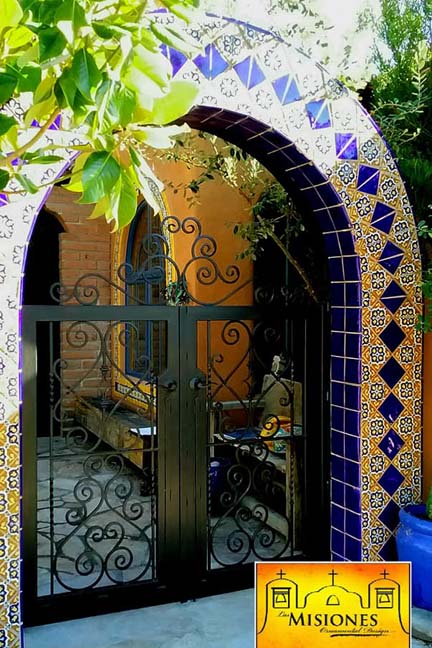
{"x": 218, "y": 621}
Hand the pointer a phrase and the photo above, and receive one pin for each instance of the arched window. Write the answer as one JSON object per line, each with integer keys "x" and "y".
{"x": 146, "y": 284}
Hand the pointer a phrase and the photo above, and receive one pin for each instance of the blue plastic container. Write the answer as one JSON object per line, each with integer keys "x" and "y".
{"x": 218, "y": 469}
{"x": 414, "y": 544}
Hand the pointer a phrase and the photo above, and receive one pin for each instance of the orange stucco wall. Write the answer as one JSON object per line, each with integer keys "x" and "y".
{"x": 427, "y": 415}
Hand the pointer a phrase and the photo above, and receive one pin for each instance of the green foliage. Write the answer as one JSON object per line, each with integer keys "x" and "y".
{"x": 98, "y": 63}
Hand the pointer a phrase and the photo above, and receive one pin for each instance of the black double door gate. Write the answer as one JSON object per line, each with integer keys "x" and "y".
{"x": 167, "y": 448}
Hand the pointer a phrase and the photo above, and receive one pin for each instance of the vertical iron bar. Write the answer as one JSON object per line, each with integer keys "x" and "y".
{"x": 50, "y": 451}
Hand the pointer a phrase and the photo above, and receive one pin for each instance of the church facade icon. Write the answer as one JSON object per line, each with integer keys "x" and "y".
{"x": 324, "y": 603}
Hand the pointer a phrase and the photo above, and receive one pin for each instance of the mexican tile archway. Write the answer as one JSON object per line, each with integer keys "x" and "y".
{"x": 308, "y": 130}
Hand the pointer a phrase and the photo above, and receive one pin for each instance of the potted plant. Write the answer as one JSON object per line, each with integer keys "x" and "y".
{"x": 414, "y": 544}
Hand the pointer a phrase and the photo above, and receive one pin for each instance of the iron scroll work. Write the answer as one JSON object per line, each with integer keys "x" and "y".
{"x": 102, "y": 453}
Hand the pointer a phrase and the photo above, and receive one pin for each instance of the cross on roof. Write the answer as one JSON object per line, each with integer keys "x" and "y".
{"x": 333, "y": 574}
{"x": 281, "y": 574}
{"x": 384, "y": 573}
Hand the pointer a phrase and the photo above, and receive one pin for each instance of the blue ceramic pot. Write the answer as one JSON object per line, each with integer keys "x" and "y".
{"x": 414, "y": 544}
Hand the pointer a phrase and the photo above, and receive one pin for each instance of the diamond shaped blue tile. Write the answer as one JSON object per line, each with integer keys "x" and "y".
{"x": 391, "y": 480}
{"x": 211, "y": 63}
{"x": 319, "y": 114}
{"x": 388, "y": 552}
{"x": 393, "y": 297}
{"x": 383, "y": 217}
{"x": 368, "y": 179}
{"x": 390, "y": 515}
{"x": 391, "y": 444}
{"x": 391, "y": 408}
{"x": 392, "y": 372}
{"x": 178, "y": 59}
{"x": 249, "y": 72}
{"x": 346, "y": 146}
{"x": 3, "y": 199}
{"x": 286, "y": 89}
{"x": 391, "y": 257}
{"x": 392, "y": 335}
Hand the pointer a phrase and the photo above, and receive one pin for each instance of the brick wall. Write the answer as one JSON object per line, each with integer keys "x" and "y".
{"x": 85, "y": 248}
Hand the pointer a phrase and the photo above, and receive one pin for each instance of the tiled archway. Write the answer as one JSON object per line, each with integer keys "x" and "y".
{"x": 303, "y": 125}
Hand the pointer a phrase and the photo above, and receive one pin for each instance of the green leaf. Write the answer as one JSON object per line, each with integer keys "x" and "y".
{"x": 123, "y": 204}
{"x": 121, "y": 105}
{"x": 7, "y": 86}
{"x": 85, "y": 72}
{"x": 51, "y": 43}
{"x": 158, "y": 137}
{"x": 6, "y": 123}
{"x": 148, "y": 75}
{"x": 174, "y": 39}
{"x": 106, "y": 31}
{"x": 29, "y": 77}
{"x": 10, "y": 13}
{"x": 18, "y": 37}
{"x": 175, "y": 104}
{"x": 100, "y": 173}
{"x": 4, "y": 178}
{"x": 26, "y": 183}
{"x": 71, "y": 12}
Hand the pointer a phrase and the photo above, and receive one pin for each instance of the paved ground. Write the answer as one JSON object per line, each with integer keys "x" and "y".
{"x": 215, "y": 622}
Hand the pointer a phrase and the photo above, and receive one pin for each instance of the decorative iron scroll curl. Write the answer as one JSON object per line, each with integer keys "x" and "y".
{"x": 196, "y": 281}
{"x": 108, "y": 529}
{"x": 241, "y": 532}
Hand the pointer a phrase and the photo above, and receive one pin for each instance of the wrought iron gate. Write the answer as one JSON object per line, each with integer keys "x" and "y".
{"x": 180, "y": 437}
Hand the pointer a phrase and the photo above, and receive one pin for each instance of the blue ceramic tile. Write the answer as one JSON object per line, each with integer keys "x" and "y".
{"x": 353, "y": 371}
{"x": 332, "y": 244}
{"x": 391, "y": 408}
{"x": 336, "y": 268}
{"x": 392, "y": 372}
{"x": 337, "y": 291}
{"x": 352, "y": 498}
{"x": 177, "y": 59}
{"x": 338, "y": 344}
{"x": 211, "y": 63}
{"x": 338, "y": 369}
{"x": 393, "y": 297}
{"x": 351, "y": 422}
{"x": 337, "y": 418}
{"x": 391, "y": 480}
{"x": 338, "y": 542}
{"x": 353, "y": 524}
{"x": 368, "y": 179}
{"x": 338, "y": 493}
{"x": 388, "y": 552}
{"x": 337, "y": 443}
{"x": 352, "y": 293}
{"x": 353, "y": 345}
{"x": 318, "y": 113}
{"x": 3, "y": 199}
{"x": 335, "y": 557}
{"x": 352, "y": 447}
{"x": 353, "y": 319}
{"x": 390, "y": 515}
{"x": 286, "y": 90}
{"x": 391, "y": 444}
{"x": 352, "y": 397}
{"x": 338, "y": 319}
{"x": 352, "y": 268}
{"x": 346, "y": 242}
{"x": 352, "y": 473}
{"x": 337, "y": 393}
{"x": 392, "y": 336}
{"x": 391, "y": 257}
{"x": 56, "y": 123}
{"x": 346, "y": 146}
{"x": 337, "y": 517}
{"x": 383, "y": 217}
{"x": 249, "y": 72}
{"x": 337, "y": 468}
{"x": 353, "y": 549}
{"x": 339, "y": 218}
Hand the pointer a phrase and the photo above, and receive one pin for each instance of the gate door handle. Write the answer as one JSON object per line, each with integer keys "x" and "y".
{"x": 197, "y": 382}
{"x": 169, "y": 385}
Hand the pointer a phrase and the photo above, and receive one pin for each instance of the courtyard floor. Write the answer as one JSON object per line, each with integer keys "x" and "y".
{"x": 225, "y": 621}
